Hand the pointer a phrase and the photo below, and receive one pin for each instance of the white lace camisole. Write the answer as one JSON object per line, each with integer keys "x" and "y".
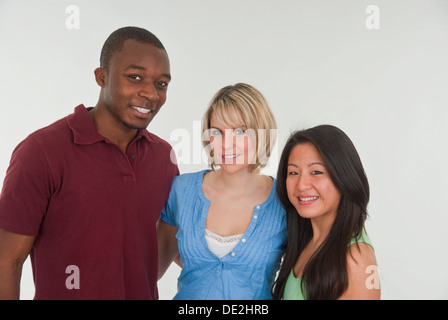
{"x": 221, "y": 246}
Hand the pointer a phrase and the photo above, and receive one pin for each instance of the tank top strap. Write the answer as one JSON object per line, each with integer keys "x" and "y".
{"x": 363, "y": 237}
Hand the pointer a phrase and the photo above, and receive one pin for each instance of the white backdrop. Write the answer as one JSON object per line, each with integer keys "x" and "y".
{"x": 381, "y": 76}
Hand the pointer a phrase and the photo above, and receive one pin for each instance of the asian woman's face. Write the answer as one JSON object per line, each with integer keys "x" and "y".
{"x": 309, "y": 185}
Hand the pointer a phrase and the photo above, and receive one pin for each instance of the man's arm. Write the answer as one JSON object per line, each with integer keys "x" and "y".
{"x": 167, "y": 243}
{"x": 14, "y": 249}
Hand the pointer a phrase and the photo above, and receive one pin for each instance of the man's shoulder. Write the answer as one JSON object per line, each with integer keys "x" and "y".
{"x": 160, "y": 146}
{"x": 51, "y": 134}
{"x": 58, "y": 125}
{"x": 161, "y": 143}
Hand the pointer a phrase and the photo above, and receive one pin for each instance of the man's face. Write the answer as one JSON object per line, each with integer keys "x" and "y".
{"x": 136, "y": 84}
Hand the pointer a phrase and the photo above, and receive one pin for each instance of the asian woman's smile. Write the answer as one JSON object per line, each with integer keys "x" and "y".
{"x": 309, "y": 185}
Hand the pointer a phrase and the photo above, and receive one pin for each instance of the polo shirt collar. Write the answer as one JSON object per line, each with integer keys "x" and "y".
{"x": 85, "y": 132}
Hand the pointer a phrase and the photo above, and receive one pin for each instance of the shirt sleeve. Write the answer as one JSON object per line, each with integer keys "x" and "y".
{"x": 26, "y": 189}
{"x": 170, "y": 210}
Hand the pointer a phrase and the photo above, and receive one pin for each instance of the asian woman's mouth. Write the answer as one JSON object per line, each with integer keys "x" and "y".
{"x": 307, "y": 199}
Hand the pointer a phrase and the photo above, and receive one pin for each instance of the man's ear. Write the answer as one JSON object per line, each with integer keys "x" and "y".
{"x": 100, "y": 76}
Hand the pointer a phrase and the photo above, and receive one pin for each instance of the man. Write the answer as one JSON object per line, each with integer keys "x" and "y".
{"x": 83, "y": 195}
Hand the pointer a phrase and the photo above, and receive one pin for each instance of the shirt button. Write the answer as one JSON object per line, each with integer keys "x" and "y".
{"x": 258, "y": 207}
{"x": 233, "y": 254}
{"x": 243, "y": 240}
{"x": 133, "y": 156}
{"x": 255, "y": 217}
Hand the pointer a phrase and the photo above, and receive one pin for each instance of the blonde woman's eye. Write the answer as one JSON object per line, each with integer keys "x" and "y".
{"x": 238, "y": 132}
{"x": 215, "y": 132}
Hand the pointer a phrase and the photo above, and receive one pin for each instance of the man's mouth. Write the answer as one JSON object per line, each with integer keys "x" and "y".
{"x": 142, "y": 110}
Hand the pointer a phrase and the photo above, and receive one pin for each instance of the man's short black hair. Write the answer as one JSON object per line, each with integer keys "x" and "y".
{"x": 115, "y": 41}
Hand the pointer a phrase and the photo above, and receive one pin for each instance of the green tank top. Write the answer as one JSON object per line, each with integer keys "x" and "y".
{"x": 293, "y": 290}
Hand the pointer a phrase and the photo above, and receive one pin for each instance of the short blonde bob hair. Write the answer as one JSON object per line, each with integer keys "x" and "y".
{"x": 241, "y": 105}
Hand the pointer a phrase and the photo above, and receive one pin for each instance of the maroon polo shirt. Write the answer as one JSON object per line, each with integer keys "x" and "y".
{"x": 92, "y": 208}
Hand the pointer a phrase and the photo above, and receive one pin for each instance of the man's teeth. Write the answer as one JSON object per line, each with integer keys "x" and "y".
{"x": 142, "y": 110}
{"x": 308, "y": 199}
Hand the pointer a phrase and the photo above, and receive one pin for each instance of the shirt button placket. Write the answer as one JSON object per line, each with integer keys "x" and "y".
{"x": 219, "y": 269}
{"x": 256, "y": 214}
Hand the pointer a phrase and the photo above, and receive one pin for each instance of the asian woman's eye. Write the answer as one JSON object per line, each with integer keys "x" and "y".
{"x": 293, "y": 173}
{"x": 316, "y": 172}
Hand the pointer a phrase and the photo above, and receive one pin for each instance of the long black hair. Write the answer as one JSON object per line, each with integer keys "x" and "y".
{"x": 325, "y": 275}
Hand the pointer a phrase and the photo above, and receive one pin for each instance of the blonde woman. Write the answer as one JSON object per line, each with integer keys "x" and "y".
{"x": 226, "y": 223}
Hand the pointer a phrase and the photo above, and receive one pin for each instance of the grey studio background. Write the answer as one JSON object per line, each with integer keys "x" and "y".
{"x": 377, "y": 69}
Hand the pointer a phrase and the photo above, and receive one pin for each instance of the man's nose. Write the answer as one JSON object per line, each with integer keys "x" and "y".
{"x": 149, "y": 92}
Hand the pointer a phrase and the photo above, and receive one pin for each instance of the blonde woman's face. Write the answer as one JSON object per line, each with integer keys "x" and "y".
{"x": 232, "y": 147}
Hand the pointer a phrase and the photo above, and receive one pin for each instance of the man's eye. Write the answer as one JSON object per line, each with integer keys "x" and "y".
{"x": 162, "y": 84}
{"x": 135, "y": 77}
